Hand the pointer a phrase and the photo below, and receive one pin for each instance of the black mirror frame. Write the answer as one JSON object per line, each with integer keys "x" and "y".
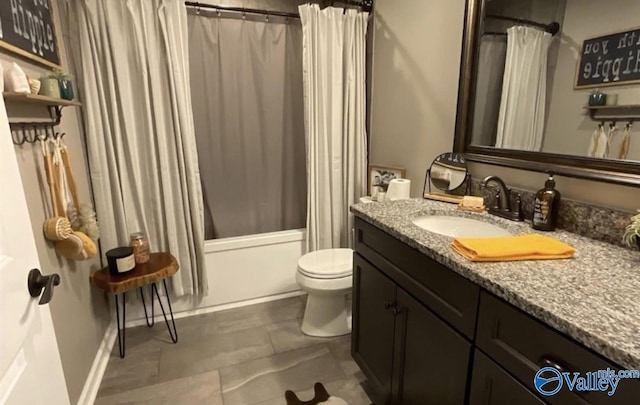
{"x": 610, "y": 171}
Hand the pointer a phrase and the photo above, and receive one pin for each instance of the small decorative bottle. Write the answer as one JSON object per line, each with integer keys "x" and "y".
{"x": 140, "y": 246}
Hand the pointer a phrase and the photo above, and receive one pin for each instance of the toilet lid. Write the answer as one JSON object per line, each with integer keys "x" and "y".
{"x": 327, "y": 263}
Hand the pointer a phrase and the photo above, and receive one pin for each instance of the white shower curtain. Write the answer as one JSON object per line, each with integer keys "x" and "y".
{"x": 522, "y": 107}
{"x": 142, "y": 149}
{"x": 333, "y": 54}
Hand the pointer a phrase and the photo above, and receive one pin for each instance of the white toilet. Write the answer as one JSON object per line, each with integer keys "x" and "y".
{"x": 327, "y": 276}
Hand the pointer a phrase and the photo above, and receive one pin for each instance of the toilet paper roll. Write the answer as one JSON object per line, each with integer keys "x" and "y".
{"x": 398, "y": 189}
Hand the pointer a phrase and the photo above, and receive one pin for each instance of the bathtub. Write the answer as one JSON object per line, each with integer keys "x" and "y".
{"x": 249, "y": 267}
{"x": 241, "y": 271}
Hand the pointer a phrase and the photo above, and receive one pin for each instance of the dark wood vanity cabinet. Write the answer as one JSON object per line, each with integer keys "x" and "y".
{"x": 408, "y": 353}
{"x": 373, "y": 327}
{"x": 408, "y": 350}
{"x": 423, "y": 334}
{"x": 431, "y": 359}
{"x": 491, "y": 385}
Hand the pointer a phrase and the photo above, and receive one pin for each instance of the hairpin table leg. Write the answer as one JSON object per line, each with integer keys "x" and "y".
{"x": 151, "y": 322}
{"x": 121, "y": 332}
{"x": 174, "y": 333}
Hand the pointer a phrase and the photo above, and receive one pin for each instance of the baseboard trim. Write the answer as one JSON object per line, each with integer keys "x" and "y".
{"x": 216, "y": 308}
{"x": 99, "y": 366}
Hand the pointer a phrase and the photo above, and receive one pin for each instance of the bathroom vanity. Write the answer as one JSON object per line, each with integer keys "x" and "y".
{"x": 430, "y": 327}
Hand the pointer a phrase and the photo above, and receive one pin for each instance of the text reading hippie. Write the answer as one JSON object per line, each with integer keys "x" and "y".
{"x": 30, "y": 24}
{"x": 610, "y": 64}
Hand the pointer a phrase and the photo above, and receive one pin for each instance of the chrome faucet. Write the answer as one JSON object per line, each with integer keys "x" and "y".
{"x": 500, "y": 208}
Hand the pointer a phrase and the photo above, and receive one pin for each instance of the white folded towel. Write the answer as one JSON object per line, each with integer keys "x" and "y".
{"x": 601, "y": 144}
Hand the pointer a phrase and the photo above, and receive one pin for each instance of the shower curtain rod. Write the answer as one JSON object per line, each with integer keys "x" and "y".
{"x": 241, "y": 10}
{"x": 365, "y": 5}
{"x": 552, "y": 28}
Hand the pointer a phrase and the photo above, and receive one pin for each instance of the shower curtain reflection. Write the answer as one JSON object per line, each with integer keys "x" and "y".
{"x": 246, "y": 86}
{"x": 491, "y": 59}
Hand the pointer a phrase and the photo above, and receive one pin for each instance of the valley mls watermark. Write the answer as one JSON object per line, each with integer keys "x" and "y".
{"x": 549, "y": 381}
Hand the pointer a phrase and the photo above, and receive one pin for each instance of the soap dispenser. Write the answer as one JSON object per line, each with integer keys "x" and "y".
{"x": 545, "y": 208}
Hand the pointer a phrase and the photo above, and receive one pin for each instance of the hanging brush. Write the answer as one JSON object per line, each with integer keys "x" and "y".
{"x": 82, "y": 216}
{"x": 58, "y": 226}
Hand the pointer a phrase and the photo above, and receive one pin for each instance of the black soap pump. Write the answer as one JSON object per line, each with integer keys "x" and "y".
{"x": 545, "y": 209}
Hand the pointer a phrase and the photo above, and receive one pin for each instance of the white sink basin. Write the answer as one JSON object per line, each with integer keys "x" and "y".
{"x": 459, "y": 227}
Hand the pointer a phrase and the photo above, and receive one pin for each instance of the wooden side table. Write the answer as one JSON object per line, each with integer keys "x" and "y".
{"x": 158, "y": 268}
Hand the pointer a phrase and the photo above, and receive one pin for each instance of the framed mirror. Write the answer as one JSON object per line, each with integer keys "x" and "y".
{"x": 552, "y": 85}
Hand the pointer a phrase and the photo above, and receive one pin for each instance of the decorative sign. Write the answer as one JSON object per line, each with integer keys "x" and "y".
{"x": 610, "y": 60}
{"x": 26, "y": 28}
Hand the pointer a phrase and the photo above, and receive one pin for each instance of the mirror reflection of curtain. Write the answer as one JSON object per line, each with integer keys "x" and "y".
{"x": 246, "y": 86}
{"x": 524, "y": 87}
{"x": 491, "y": 59}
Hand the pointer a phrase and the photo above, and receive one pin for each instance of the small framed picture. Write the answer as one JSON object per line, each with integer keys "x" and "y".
{"x": 380, "y": 176}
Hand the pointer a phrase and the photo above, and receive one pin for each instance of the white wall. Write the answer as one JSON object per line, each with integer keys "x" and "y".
{"x": 416, "y": 59}
{"x": 415, "y": 85}
{"x": 569, "y": 128}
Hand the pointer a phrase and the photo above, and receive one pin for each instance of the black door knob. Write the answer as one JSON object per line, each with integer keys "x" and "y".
{"x": 36, "y": 282}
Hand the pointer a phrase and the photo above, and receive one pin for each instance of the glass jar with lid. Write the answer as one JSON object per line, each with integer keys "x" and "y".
{"x": 140, "y": 245}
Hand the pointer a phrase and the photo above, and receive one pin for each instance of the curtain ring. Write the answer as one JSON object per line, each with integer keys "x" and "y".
{"x": 244, "y": 15}
{"x": 197, "y": 10}
{"x": 266, "y": 17}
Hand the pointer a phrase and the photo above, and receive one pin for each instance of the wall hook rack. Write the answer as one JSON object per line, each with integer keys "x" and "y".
{"x": 27, "y": 133}
{"x": 33, "y": 131}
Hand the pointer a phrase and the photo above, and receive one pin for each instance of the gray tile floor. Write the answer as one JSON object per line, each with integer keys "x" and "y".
{"x": 244, "y": 356}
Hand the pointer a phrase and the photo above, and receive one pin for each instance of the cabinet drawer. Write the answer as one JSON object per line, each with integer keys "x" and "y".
{"x": 491, "y": 385}
{"x": 522, "y": 345}
{"x": 446, "y": 293}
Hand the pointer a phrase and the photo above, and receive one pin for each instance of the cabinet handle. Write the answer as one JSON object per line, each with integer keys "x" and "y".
{"x": 397, "y": 310}
{"x": 389, "y": 305}
{"x": 547, "y": 362}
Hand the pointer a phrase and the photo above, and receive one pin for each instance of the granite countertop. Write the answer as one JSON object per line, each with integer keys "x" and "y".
{"x": 593, "y": 297}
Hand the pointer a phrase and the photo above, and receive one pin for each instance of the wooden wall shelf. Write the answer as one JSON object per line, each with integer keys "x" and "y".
{"x": 623, "y": 112}
{"x": 32, "y": 131}
{"x": 38, "y": 99}
{"x": 612, "y": 107}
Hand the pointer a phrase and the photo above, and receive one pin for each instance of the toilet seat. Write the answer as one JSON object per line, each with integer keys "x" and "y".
{"x": 328, "y": 264}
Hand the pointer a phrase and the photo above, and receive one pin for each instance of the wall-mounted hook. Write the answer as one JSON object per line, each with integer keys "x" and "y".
{"x": 32, "y": 134}
{"x": 15, "y": 137}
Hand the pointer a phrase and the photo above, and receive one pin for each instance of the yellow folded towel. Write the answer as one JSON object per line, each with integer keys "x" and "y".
{"x": 509, "y": 248}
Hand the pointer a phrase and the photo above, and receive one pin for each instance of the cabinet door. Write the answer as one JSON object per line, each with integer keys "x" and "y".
{"x": 491, "y": 385}
{"x": 432, "y": 359}
{"x": 373, "y": 327}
